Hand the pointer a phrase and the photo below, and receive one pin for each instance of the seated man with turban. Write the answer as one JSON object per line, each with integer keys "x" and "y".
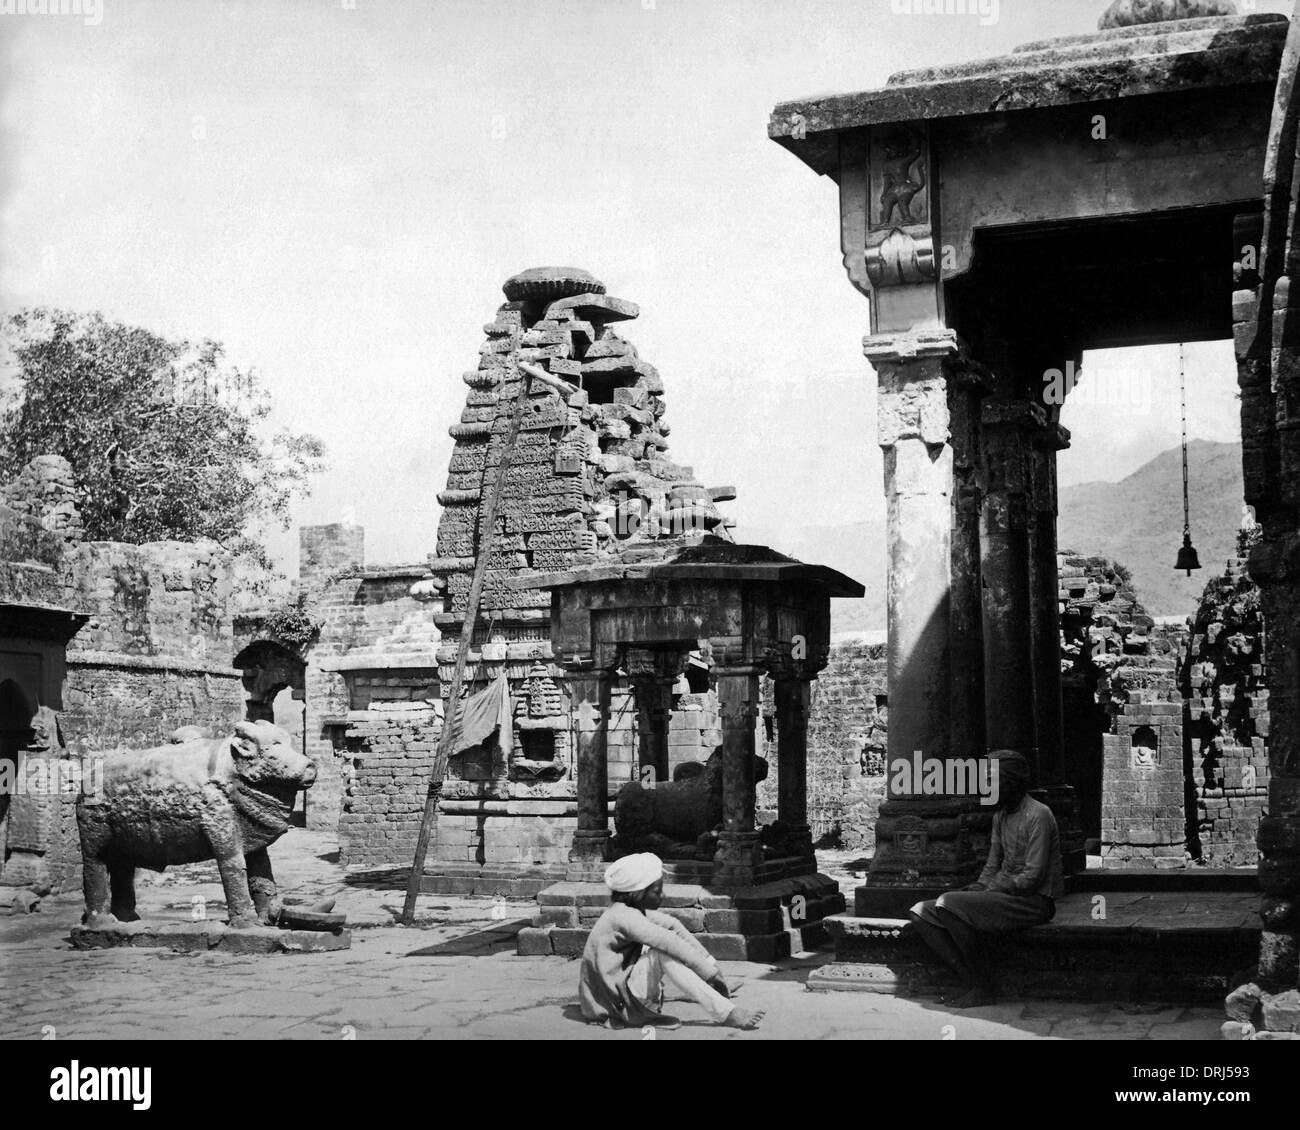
{"x": 1017, "y": 888}
{"x": 633, "y": 949}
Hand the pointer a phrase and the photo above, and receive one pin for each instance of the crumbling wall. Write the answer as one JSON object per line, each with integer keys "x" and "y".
{"x": 156, "y": 652}
{"x": 38, "y": 512}
{"x": 1109, "y": 643}
{"x": 375, "y": 646}
{"x": 1226, "y": 684}
{"x": 153, "y": 654}
{"x": 390, "y": 747}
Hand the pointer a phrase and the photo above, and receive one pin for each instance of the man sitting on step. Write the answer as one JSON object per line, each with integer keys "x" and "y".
{"x": 633, "y": 949}
{"x": 1016, "y": 890}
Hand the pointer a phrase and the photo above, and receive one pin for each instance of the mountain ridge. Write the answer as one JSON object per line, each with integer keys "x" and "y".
{"x": 1136, "y": 520}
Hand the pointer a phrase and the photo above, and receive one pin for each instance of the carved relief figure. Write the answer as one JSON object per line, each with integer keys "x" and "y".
{"x": 904, "y": 176}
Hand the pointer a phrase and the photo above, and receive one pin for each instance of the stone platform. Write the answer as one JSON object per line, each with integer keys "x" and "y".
{"x": 205, "y": 937}
{"x": 1176, "y": 947}
{"x": 765, "y": 922}
{"x": 487, "y": 879}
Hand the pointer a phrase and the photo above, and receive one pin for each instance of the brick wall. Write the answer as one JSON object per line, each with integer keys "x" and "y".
{"x": 389, "y": 750}
{"x": 847, "y": 722}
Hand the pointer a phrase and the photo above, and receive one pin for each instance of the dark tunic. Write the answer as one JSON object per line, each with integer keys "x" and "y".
{"x": 1022, "y": 878}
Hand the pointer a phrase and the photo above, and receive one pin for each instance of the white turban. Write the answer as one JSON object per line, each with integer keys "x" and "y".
{"x": 634, "y": 872}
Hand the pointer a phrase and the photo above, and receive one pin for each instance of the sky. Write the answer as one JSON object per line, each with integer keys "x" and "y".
{"x": 336, "y": 190}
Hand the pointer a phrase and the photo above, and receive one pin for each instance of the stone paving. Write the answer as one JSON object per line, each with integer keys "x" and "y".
{"x": 454, "y": 976}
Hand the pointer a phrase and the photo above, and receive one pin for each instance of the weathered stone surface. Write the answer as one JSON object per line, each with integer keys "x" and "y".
{"x": 203, "y": 937}
{"x": 1127, "y": 13}
{"x": 1243, "y": 1003}
{"x": 1281, "y": 1011}
{"x": 1119, "y": 63}
{"x": 544, "y": 284}
{"x": 595, "y": 308}
{"x": 224, "y": 798}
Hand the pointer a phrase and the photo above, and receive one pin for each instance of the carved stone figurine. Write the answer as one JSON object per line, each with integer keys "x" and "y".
{"x": 904, "y": 176}
{"x": 675, "y": 819}
{"x": 199, "y": 798}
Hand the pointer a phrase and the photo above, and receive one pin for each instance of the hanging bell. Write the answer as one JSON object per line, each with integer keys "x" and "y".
{"x": 1187, "y": 558}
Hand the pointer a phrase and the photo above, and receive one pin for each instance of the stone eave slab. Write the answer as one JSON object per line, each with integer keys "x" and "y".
{"x": 379, "y": 662}
{"x": 793, "y": 573}
{"x": 1122, "y": 63}
{"x": 40, "y": 621}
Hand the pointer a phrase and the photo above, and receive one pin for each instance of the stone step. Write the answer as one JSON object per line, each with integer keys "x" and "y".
{"x": 1140, "y": 946}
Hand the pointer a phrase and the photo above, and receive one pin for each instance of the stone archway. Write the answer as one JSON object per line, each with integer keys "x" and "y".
{"x": 269, "y": 668}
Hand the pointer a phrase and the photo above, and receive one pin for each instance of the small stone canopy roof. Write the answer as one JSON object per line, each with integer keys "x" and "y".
{"x": 1123, "y": 62}
{"x": 40, "y": 621}
{"x": 711, "y": 561}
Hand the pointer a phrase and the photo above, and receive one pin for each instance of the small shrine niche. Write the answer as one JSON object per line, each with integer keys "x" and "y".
{"x": 541, "y": 746}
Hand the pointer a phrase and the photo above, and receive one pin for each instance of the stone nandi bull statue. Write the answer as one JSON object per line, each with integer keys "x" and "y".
{"x": 199, "y": 798}
{"x": 678, "y": 819}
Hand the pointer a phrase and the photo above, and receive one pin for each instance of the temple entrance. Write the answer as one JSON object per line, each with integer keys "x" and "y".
{"x": 1129, "y": 618}
{"x": 1002, "y": 219}
{"x": 16, "y": 714}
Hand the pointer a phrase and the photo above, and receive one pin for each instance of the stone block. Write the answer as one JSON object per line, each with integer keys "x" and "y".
{"x": 533, "y": 942}
{"x": 1281, "y": 1011}
{"x": 566, "y": 942}
{"x": 690, "y": 917}
{"x": 1243, "y": 1003}
{"x": 743, "y": 921}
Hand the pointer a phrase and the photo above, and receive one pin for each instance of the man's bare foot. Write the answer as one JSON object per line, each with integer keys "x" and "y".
{"x": 746, "y": 1019}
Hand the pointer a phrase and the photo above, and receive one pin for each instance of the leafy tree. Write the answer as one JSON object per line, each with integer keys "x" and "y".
{"x": 166, "y": 440}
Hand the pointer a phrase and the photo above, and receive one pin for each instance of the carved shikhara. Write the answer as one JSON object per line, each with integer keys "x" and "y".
{"x": 885, "y": 207}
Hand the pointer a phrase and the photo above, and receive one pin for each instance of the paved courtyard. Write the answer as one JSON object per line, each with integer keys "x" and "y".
{"x": 454, "y": 976}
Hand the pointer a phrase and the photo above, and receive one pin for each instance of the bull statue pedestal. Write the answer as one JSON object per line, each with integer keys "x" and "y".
{"x": 197, "y": 799}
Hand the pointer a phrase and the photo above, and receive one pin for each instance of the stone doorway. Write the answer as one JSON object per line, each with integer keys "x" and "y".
{"x": 16, "y": 714}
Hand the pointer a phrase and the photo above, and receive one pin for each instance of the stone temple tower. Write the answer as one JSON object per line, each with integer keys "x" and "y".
{"x": 587, "y": 479}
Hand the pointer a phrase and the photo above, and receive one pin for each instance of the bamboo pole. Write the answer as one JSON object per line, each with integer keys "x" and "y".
{"x": 487, "y": 534}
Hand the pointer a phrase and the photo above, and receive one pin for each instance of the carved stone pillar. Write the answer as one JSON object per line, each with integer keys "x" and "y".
{"x": 739, "y": 855}
{"x": 1044, "y": 597}
{"x": 653, "y": 674}
{"x": 792, "y": 696}
{"x": 924, "y": 842}
{"x": 969, "y": 384}
{"x": 590, "y": 704}
{"x": 1008, "y": 657}
{"x": 1045, "y": 644}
